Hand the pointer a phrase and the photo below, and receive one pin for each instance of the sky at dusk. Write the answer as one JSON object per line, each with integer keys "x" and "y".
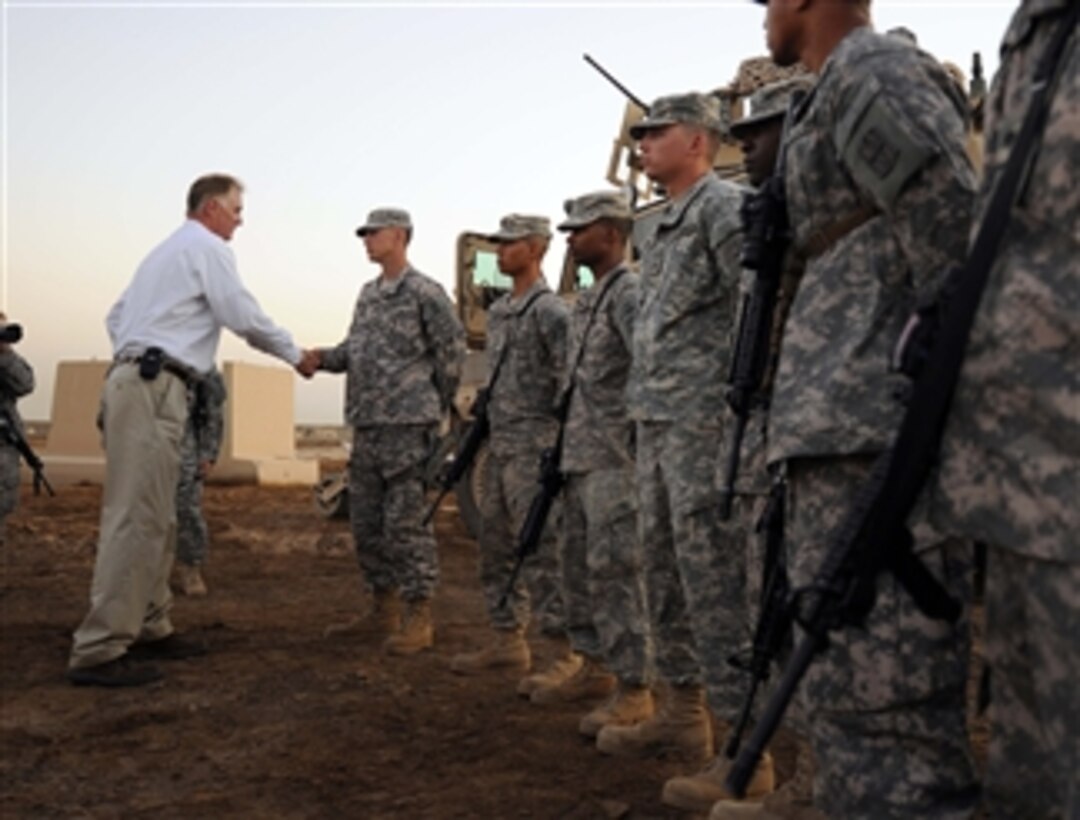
{"x": 458, "y": 112}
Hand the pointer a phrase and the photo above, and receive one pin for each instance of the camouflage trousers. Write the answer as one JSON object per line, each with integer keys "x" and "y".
{"x": 885, "y": 703}
{"x": 508, "y": 485}
{"x": 601, "y": 563}
{"x": 695, "y": 576}
{"x": 192, "y": 535}
{"x": 9, "y": 478}
{"x": 387, "y": 502}
{"x": 1033, "y": 648}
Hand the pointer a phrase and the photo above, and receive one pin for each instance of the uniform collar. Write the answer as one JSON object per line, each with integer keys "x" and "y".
{"x": 675, "y": 210}
{"x": 390, "y": 287}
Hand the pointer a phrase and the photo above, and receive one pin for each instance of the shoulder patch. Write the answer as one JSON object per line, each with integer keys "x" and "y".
{"x": 878, "y": 147}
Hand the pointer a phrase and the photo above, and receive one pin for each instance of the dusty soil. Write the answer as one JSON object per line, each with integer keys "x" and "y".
{"x": 278, "y": 721}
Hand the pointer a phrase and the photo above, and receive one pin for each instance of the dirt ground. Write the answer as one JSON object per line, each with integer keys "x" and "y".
{"x": 278, "y": 721}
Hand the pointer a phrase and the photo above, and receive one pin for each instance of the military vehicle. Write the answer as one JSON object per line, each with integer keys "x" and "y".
{"x": 479, "y": 283}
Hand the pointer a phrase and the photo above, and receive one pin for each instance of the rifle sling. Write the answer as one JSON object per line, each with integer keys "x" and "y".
{"x": 564, "y": 407}
{"x": 919, "y": 437}
{"x": 506, "y": 347}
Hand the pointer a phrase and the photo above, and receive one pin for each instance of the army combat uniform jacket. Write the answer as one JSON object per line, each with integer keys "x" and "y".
{"x": 598, "y": 433}
{"x": 867, "y": 140}
{"x": 529, "y": 335}
{"x": 404, "y": 353}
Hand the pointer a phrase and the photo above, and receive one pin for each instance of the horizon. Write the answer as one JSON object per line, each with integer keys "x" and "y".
{"x": 458, "y": 112}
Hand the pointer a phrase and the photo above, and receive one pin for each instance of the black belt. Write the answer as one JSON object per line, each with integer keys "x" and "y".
{"x": 186, "y": 374}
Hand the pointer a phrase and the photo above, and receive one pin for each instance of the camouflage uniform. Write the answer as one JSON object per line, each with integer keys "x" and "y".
{"x": 201, "y": 443}
{"x": 1011, "y": 452}
{"x": 600, "y": 553}
{"x": 403, "y": 354}
{"x": 883, "y": 127}
{"x": 695, "y": 578}
{"x": 16, "y": 380}
{"x": 532, "y": 332}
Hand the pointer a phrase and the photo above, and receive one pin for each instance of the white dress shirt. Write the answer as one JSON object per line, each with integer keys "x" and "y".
{"x": 182, "y": 294}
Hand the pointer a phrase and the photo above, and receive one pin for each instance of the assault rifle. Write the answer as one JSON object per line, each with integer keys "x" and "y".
{"x": 766, "y": 236}
{"x": 773, "y": 629}
{"x": 551, "y": 477}
{"x": 471, "y": 443}
{"x": 874, "y": 536}
{"x": 10, "y": 432}
{"x": 551, "y": 483}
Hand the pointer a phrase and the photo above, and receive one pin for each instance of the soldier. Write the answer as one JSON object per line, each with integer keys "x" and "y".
{"x": 879, "y": 193}
{"x": 695, "y": 578}
{"x": 527, "y": 345}
{"x": 1011, "y": 451}
{"x": 198, "y": 453}
{"x": 600, "y": 556}
{"x": 16, "y": 381}
{"x": 759, "y": 135}
{"x": 403, "y": 355}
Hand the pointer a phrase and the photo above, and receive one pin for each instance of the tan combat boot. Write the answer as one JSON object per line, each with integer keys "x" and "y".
{"x": 589, "y": 682}
{"x": 507, "y": 650}
{"x": 189, "y": 580}
{"x": 627, "y": 706}
{"x": 794, "y": 800}
{"x": 700, "y": 792}
{"x": 417, "y": 633}
{"x": 381, "y": 621}
{"x": 681, "y": 728}
{"x": 566, "y": 664}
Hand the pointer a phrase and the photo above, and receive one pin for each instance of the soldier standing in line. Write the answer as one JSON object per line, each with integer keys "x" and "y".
{"x": 1010, "y": 474}
{"x": 198, "y": 452}
{"x": 879, "y": 192}
{"x": 759, "y": 135}
{"x": 600, "y": 555}
{"x": 695, "y": 577}
{"x": 16, "y": 381}
{"x": 403, "y": 355}
{"x": 527, "y": 344}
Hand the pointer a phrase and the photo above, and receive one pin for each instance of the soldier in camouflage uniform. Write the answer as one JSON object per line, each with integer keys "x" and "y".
{"x": 695, "y": 578}
{"x": 1010, "y": 475}
{"x": 198, "y": 452}
{"x": 16, "y": 381}
{"x": 879, "y": 194}
{"x": 759, "y": 135}
{"x": 403, "y": 354}
{"x": 600, "y": 556}
{"x": 527, "y": 343}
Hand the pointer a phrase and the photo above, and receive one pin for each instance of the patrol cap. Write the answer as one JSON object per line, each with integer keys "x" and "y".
{"x": 385, "y": 218}
{"x": 513, "y": 227}
{"x": 771, "y": 101}
{"x": 698, "y": 109}
{"x": 587, "y": 209}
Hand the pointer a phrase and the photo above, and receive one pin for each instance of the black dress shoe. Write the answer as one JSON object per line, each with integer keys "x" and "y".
{"x": 122, "y": 671}
{"x": 170, "y": 648}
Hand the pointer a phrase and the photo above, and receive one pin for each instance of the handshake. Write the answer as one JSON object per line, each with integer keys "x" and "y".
{"x": 310, "y": 360}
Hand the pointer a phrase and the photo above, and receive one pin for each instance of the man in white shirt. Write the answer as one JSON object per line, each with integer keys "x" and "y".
{"x": 164, "y": 331}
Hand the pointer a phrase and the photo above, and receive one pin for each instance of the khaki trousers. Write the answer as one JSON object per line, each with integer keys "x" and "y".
{"x": 129, "y": 596}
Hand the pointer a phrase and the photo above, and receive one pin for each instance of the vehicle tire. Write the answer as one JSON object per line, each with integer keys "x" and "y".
{"x": 468, "y": 493}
